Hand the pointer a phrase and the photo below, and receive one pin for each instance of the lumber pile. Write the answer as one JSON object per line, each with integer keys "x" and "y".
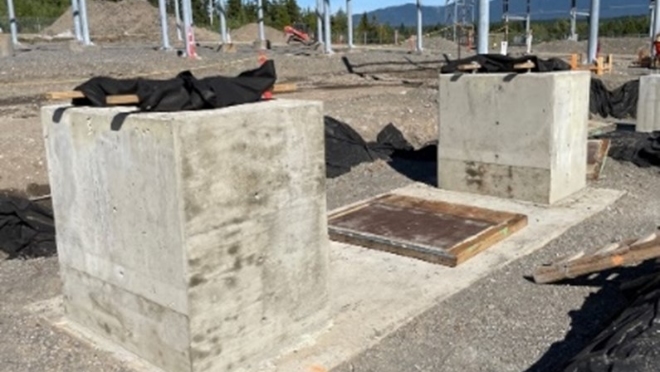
{"x": 626, "y": 253}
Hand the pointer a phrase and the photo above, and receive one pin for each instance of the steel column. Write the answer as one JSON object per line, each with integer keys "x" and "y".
{"x": 419, "y": 26}
{"x": 84, "y": 21}
{"x": 484, "y": 25}
{"x": 594, "y": 19}
{"x": 162, "y": 7}
{"x": 12, "y": 22}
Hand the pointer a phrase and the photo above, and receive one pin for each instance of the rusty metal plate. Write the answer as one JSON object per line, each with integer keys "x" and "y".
{"x": 433, "y": 231}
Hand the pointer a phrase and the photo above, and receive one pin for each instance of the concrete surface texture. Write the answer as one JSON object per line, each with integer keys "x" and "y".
{"x": 195, "y": 240}
{"x": 372, "y": 293}
{"x": 648, "y": 104}
{"x": 515, "y": 136}
{"x": 6, "y": 46}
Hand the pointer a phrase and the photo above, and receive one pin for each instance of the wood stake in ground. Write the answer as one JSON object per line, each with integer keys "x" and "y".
{"x": 127, "y": 99}
{"x": 627, "y": 253}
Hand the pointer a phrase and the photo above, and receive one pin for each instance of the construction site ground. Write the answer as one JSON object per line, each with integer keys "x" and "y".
{"x": 502, "y": 323}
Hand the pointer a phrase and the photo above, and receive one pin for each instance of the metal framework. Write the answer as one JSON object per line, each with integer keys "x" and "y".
{"x": 459, "y": 14}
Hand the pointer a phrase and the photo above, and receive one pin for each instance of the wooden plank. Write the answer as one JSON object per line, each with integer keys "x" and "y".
{"x": 463, "y": 211}
{"x": 469, "y": 67}
{"x": 627, "y": 253}
{"x": 479, "y": 243}
{"x": 433, "y": 231}
{"x": 596, "y": 156}
{"x": 127, "y": 99}
{"x": 524, "y": 66}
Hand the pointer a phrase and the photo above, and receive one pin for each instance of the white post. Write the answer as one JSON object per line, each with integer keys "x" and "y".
{"x": 484, "y": 25}
{"x": 162, "y": 7}
{"x": 419, "y": 26}
{"x": 12, "y": 22}
{"x": 84, "y": 21}
{"x": 319, "y": 21}
{"x": 327, "y": 31}
{"x": 594, "y": 16}
{"x": 186, "y": 10}
{"x": 349, "y": 14}
{"x": 223, "y": 20}
{"x": 75, "y": 9}
{"x": 260, "y": 16}
{"x": 177, "y": 15}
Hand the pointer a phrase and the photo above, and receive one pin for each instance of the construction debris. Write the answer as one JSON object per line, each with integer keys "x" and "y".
{"x": 626, "y": 253}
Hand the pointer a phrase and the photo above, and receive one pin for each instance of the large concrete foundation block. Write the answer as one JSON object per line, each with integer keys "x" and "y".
{"x": 514, "y": 136}
{"x": 648, "y": 104}
{"x": 196, "y": 240}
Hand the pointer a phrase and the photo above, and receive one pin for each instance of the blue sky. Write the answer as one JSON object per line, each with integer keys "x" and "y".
{"x": 360, "y": 6}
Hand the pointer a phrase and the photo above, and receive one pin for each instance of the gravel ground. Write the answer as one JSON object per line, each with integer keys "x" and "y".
{"x": 502, "y": 323}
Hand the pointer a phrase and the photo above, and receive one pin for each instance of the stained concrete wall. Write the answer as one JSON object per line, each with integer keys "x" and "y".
{"x": 515, "y": 136}
{"x": 648, "y": 104}
{"x": 195, "y": 240}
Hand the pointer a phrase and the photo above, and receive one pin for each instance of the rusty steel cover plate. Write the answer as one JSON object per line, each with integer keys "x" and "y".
{"x": 433, "y": 231}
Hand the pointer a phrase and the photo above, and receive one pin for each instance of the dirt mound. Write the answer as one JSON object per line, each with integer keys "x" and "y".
{"x": 250, "y": 33}
{"x": 124, "y": 19}
{"x": 623, "y": 45}
{"x": 440, "y": 43}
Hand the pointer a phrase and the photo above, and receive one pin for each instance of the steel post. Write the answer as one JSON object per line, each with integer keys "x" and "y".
{"x": 349, "y": 20}
{"x": 177, "y": 15}
{"x": 484, "y": 25}
{"x": 260, "y": 19}
{"x": 594, "y": 19}
{"x": 84, "y": 21}
{"x": 75, "y": 10}
{"x": 419, "y": 26}
{"x": 223, "y": 20}
{"x": 327, "y": 30}
{"x": 162, "y": 8}
{"x": 12, "y": 22}
{"x": 319, "y": 21}
{"x": 186, "y": 10}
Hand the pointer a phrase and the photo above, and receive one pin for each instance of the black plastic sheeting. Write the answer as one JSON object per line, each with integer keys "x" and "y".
{"x": 494, "y": 63}
{"x": 631, "y": 343}
{"x": 184, "y": 92}
{"x": 620, "y": 103}
{"x": 345, "y": 148}
{"x": 640, "y": 149}
{"x": 26, "y": 229}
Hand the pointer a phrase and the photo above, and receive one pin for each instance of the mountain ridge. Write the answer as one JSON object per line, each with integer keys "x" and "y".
{"x": 540, "y": 10}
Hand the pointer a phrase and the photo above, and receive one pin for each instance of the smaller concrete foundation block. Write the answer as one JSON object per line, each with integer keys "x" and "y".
{"x": 196, "y": 240}
{"x": 6, "y": 46}
{"x": 514, "y": 136}
{"x": 648, "y": 104}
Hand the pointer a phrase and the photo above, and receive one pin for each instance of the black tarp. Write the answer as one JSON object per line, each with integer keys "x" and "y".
{"x": 345, "y": 148}
{"x": 631, "y": 343}
{"x": 640, "y": 149}
{"x": 26, "y": 228}
{"x": 184, "y": 92}
{"x": 494, "y": 63}
{"x": 619, "y": 103}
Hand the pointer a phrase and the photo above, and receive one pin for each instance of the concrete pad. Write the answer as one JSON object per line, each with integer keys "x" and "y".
{"x": 514, "y": 136}
{"x": 648, "y": 104}
{"x": 196, "y": 240}
{"x": 374, "y": 293}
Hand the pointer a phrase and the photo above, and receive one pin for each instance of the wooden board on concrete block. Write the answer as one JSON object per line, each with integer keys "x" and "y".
{"x": 433, "y": 231}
